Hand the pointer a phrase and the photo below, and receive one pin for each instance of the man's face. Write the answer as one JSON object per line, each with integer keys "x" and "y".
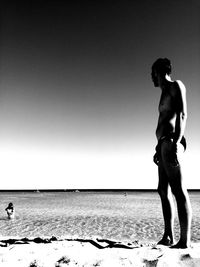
{"x": 154, "y": 76}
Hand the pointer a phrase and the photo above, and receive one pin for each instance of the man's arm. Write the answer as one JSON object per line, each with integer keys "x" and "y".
{"x": 181, "y": 111}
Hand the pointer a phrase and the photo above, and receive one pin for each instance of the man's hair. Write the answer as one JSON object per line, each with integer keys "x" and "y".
{"x": 162, "y": 66}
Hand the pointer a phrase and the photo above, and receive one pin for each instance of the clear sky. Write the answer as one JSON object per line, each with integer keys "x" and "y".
{"x": 77, "y": 105}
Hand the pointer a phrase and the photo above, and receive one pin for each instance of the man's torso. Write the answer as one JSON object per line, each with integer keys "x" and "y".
{"x": 167, "y": 112}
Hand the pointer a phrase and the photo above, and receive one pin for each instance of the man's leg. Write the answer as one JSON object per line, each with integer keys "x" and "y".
{"x": 181, "y": 195}
{"x": 167, "y": 206}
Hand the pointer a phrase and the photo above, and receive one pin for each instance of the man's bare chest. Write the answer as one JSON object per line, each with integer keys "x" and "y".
{"x": 166, "y": 103}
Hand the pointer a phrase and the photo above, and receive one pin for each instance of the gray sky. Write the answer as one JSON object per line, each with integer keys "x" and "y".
{"x": 77, "y": 105}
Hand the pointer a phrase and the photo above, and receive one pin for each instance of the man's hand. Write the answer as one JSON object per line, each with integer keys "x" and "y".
{"x": 156, "y": 158}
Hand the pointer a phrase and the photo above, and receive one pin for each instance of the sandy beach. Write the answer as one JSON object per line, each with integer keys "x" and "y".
{"x": 90, "y": 215}
{"x": 88, "y": 253}
{"x": 69, "y": 229}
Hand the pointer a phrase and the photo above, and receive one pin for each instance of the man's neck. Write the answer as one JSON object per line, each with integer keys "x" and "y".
{"x": 164, "y": 83}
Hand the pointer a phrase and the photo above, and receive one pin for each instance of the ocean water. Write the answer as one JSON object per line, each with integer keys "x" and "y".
{"x": 131, "y": 217}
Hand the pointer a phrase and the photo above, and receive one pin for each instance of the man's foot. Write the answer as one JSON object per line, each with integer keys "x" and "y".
{"x": 181, "y": 245}
{"x": 165, "y": 241}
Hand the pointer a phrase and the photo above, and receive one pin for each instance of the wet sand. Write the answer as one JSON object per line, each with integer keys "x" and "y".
{"x": 136, "y": 216}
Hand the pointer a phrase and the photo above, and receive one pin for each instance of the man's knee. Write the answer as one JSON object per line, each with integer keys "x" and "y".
{"x": 162, "y": 192}
{"x": 179, "y": 193}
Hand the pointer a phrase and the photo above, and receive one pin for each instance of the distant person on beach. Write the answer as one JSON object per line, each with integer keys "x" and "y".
{"x": 10, "y": 211}
{"x": 171, "y": 142}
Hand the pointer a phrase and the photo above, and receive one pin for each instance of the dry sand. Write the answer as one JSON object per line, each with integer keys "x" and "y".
{"x": 86, "y": 253}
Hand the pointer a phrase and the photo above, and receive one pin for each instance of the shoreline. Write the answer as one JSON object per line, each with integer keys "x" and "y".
{"x": 128, "y": 190}
{"x": 96, "y": 242}
{"x": 53, "y": 252}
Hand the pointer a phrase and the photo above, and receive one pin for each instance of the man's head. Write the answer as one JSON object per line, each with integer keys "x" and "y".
{"x": 160, "y": 68}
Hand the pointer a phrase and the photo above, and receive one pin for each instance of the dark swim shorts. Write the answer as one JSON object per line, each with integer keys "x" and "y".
{"x": 169, "y": 137}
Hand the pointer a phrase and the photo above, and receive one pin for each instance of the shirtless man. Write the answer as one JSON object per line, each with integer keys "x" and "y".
{"x": 169, "y": 133}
